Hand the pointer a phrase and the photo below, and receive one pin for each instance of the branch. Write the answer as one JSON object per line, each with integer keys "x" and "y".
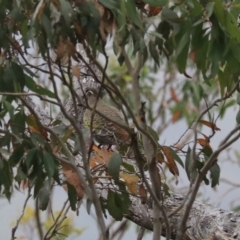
{"x": 14, "y": 229}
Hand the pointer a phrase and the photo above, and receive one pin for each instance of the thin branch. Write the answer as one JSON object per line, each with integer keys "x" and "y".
{"x": 38, "y": 220}
{"x": 14, "y": 229}
{"x": 56, "y": 221}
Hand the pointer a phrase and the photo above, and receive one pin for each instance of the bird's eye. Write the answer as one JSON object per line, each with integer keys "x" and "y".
{"x": 89, "y": 93}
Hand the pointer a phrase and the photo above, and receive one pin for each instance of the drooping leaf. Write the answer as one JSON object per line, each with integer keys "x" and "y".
{"x": 132, "y": 12}
{"x": 114, "y": 165}
{"x": 31, "y": 157}
{"x": 210, "y": 124}
{"x": 169, "y": 15}
{"x": 72, "y": 196}
{"x": 44, "y": 196}
{"x": 73, "y": 179}
{"x": 238, "y": 117}
{"x": 188, "y": 163}
{"x": 170, "y": 160}
{"x": 215, "y": 175}
{"x": 153, "y": 133}
{"x": 114, "y": 205}
{"x": 88, "y": 206}
{"x": 49, "y": 164}
{"x": 176, "y": 157}
{"x": 16, "y": 155}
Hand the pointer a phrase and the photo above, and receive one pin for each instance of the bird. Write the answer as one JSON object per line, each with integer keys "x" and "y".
{"x": 104, "y": 131}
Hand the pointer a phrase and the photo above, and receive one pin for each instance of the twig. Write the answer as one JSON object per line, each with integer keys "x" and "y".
{"x": 55, "y": 223}
{"x": 38, "y": 220}
{"x": 14, "y": 229}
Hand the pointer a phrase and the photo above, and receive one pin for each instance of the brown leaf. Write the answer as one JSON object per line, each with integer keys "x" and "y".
{"x": 65, "y": 50}
{"x": 209, "y": 124}
{"x": 174, "y": 95}
{"x": 40, "y": 10}
{"x": 160, "y": 157}
{"x": 76, "y": 71}
{"x": 176, "y": 116}
{"x": 143, "y": 193}
{"x": 100, "y": 155}
{"x": 73, "y": 179}
{"x": 205, "y": 136}
{"x": 203, "y": 142}
{"x": 131, "y": 181}
{"x": 171, "y": 164}
{"x": 153, "y": 11}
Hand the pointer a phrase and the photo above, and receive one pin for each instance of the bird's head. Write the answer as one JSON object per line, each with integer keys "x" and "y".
{"x": 92, "y": 94}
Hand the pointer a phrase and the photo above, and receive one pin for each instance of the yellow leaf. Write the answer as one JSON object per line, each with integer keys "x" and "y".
{"x": 131, "y": 181}
{"x": 100, "y": 155}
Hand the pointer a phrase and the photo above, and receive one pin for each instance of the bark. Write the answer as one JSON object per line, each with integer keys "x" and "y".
{"x": 205, "y": 222}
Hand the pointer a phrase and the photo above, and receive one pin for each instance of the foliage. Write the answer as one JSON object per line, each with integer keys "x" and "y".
{"x": 197, "y": 39}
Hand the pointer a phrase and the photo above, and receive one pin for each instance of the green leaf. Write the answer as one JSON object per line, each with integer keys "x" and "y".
{"x": 72, "y": 196}
{"x": 111, "y": 4}
{"x": 20, "y": 176}
{"x": 37, "y": 139}
{"x": 44, "y": 196}
{"x": 132, "y": 13}
{"x": 188, "y": 163}
{"x": 170, "y": 16}
{"x": 103, "y": 206}
{"x": 238, "y": 117}
{"x": 88, "y": 206}
{"x": 209, "y": 9}
{"x": 129, "y": 167}
{"x": 31, "y": 85}
{"x": 153, "y": 133}
{"x": 238, "y": 98}
{"x": 6, "y": 140}
{"x": 154, "y": 52}
{"x": 49, "y": 164}
{"x": 114, "y": 205}
{"x": 16, "y": 155}
{"x": 176, "y": 157}
{"x": 215, "y": 174}
{"x": 38, "y": 185}
{"x": 156, "y": 3}
{"x": 114, "y": 165}
{"x": 13, "y": 79}
{"x": 66, "y": 10}
{"x": 10, "y": 109}
{"x": 166, "y": 190}
{"x": 31, "y": 157}
{"x": 18, "y": 123}
{"x": 6, "y": 177}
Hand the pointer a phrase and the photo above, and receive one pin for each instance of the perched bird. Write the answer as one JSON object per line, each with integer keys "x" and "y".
{"x": 104, "y": 131}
